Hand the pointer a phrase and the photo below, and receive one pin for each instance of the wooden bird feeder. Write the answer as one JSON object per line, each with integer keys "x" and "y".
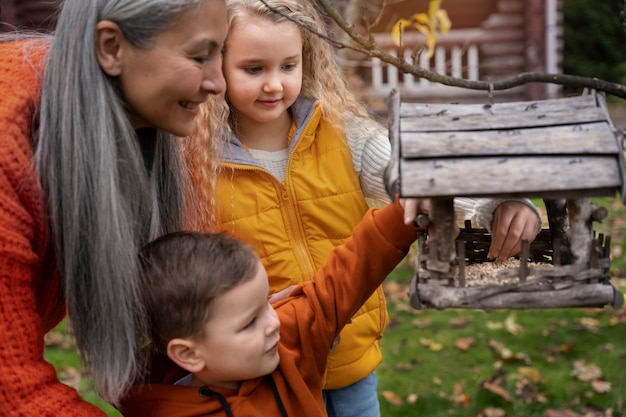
{"x": 563, "y": 151}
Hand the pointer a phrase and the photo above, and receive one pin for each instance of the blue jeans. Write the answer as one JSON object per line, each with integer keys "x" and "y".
{"x": 357, "y": 400}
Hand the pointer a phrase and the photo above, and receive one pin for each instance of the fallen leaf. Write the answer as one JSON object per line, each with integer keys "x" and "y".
{"x": 53, "y": 339}
{"x": 511, "y": 325}
{"x": 560, "y": 413}
{"x": 70, "y": 376}
{"x": 403, "y": 367}
{"x": 434, "y": 346}
{"x": 601, "y": 386}
{"x": 592, "y": 325}
{"x": 567, "y": 347}
{"x": 459, "y": 397}
{"x": 459, "y": 322}
{"x": 530, "y": 373}
{"x": 495, "y": 384}
{"x": 527, "y": 391}
{"x": 465, "y": 343}
{"x": 493, "y": 412}
{"x": 505, "y": 354}
{"x": 422, "y": 322}
{"x": 412, "y": 398}
{"x": 586, "y": 372}
{"x": 392, "y": 398}
{"x": 491, "y": 325}
{"x": 498, "y": 390}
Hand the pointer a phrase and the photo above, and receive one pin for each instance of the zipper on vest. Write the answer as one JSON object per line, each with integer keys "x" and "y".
{"x": 297, "y": 233}
{"x": 296, "y": 228}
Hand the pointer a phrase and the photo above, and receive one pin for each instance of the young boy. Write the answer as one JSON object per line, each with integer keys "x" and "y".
{"x": 220, "y": 348}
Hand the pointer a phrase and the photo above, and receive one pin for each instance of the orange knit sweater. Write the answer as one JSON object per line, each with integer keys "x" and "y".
{"x": 31, "y": 300}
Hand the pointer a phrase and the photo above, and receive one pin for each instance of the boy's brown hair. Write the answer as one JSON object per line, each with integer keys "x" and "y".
{"x": 184, "y": 272}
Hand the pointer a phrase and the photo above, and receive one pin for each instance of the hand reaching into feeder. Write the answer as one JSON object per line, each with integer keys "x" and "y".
{"x": 413, "y": 207}
{"x": 513, "y": 222}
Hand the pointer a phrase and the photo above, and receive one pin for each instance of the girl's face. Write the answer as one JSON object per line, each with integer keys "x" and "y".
{"x": 263, "y": 69}
{"x": 164, "y": 85}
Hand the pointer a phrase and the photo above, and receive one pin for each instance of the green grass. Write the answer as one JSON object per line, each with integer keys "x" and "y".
{"x": 513, "y": 363}
{"x": 424, "y": 373}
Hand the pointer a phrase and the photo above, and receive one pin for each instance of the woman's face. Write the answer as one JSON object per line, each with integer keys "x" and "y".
{"x": 164, "y": 85}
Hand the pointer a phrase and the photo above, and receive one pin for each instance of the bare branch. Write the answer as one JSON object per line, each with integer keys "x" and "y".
{"x": 369, "y": 47}
{"x": 334, "y": 43}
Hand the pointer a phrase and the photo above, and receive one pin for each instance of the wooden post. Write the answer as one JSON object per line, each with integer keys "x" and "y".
{"x": 579, "y": 211}
{"x": 559, "y": 230}
{"x": 443, "y": 234}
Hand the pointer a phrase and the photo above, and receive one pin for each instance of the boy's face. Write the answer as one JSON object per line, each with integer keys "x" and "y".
{"x": 241, "y": 339}
{"x": 263, "y": 69}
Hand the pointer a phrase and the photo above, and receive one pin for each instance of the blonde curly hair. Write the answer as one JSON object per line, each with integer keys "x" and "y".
{"x": 322, "y": 80}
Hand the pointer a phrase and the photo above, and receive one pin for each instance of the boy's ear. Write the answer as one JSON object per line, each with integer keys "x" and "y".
{"x": 109, "y": 39}
{"x": 183, "y": 353}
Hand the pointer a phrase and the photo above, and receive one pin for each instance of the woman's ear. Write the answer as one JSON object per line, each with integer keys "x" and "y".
{"x": 183, "y": 353}
{"x": 109, "y": 40}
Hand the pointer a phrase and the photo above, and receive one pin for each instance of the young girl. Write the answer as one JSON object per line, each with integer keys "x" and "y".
{"x": 301, "y": 157}
{"x": 90, "y": 170}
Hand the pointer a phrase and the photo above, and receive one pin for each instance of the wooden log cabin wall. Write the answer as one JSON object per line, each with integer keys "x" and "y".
{"x": 563, "y": 151}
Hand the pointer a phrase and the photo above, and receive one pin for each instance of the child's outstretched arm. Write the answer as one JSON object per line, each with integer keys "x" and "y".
{"x": 354, "y": 270}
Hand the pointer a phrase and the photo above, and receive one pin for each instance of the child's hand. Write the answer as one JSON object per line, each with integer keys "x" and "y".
{"x": 281, "y": 295}
{"x": 414, "y": 207}
{"x": 513, "y": 222}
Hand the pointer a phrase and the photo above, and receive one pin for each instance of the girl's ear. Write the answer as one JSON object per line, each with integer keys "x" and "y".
{"x": 183, "y": 353}
{"x": 109, "y": 39}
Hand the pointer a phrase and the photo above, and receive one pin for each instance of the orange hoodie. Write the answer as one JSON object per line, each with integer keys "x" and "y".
{"x": 31, "y": 298}
{"x": 310, "y": 318}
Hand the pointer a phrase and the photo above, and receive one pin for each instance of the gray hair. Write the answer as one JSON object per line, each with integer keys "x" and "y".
{"x": 109, "y": 189}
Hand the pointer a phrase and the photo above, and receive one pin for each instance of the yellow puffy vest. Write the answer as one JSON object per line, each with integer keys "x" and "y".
{"x": 294, "y": 225}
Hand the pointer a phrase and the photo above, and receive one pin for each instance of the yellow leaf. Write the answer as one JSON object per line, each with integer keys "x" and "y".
{"x": 397, "y": 29}
{"x": 530, "y": 373}
{"x": 431, "y": 45}
{"x": 433, "y": 7}
{"x": 436, "y": 347}
{"x": 423, "y": 19}
{"x": 429, "y": 24}
{"x": 443, "y": 21}
{"x": 423, "y": 29}
{"x": 425, "y": 342}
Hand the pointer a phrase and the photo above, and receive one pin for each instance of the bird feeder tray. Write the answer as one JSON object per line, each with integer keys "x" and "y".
{"x": 562, "y": 151}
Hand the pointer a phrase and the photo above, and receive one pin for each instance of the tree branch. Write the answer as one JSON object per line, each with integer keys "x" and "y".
{"x": 369, "y": 47}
